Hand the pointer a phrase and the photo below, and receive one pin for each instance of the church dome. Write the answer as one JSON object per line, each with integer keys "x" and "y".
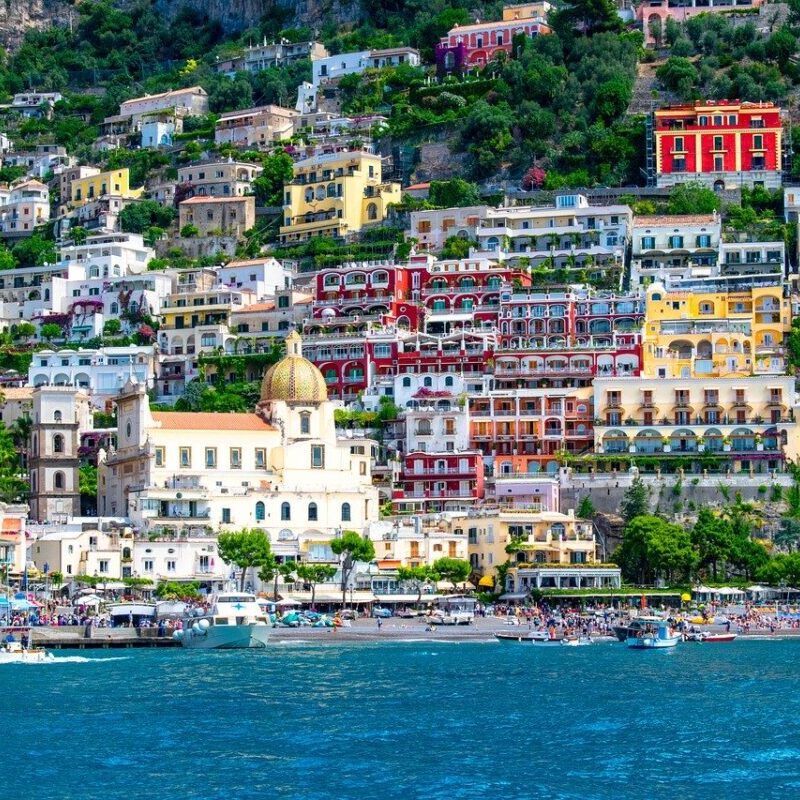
{"x": 294, "y": 379}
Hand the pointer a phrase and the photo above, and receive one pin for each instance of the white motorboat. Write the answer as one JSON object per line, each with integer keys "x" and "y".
{"x": 16, "y": 653}
{"x": 235, "y": 621}
{"x": 576, "y": 641}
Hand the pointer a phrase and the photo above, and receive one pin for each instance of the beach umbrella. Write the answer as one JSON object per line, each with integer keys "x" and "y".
{"x": 287, "y": 601}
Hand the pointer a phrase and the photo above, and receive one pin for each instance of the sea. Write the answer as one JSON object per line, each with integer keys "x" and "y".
{"x": 406, "y": 720}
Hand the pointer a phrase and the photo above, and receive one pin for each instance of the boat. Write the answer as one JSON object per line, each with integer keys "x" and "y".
{"x": 634, "y": 624}
{"x": 711, "y": 638}
{"x": 15, "y": 652}
{"x": 235, "y": 621}
{"x": 131, "y": 613}
{"x": 653, "y": 636}
{"x": 452, "y": 609}
{"x": 533, "y": 637}
{"x": 576, "y": 641}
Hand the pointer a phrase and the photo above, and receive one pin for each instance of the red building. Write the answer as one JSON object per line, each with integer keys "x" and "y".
{"x": 365, "y": 293}
{"x": 440, "y": 481}
{"x": 567, "y": 337}
{"x": 721, "y": 144}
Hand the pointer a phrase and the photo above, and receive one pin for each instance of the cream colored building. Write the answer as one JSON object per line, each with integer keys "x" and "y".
{"x": 15, "y": 403}
{"x": 747, "y": 422}
{"x": 13, "y": 540}
{"x": 336, "y": 194}
{"x": 226, "y": 178}
{"x": 256, "y": 127}
{"x": 82, "y": 548}
{"x": 281, "y": 469}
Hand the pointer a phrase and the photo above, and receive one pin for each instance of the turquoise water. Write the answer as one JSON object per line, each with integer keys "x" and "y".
{"x": 422, "y": 720}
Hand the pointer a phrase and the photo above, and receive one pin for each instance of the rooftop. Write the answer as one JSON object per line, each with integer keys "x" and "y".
{"x": 203, "y": 199}
{"x": 676, "y": 219}
{"x": 210, "y": 421}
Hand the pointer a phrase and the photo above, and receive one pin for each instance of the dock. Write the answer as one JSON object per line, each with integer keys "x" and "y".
{"x": 74, "y": 638}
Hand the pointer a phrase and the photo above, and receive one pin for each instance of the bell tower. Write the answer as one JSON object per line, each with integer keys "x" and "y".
{"x": 60, "y": 414}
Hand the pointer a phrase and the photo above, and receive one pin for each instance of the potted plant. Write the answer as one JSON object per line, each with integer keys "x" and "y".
{"x": 665, "y": 444}
{"x": 726, "y": 444}
{"x": 759, "y": 439}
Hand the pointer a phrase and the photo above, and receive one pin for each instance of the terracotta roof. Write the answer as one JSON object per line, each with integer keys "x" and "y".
{"x": 17, "y": 393}
{"x": 251, "y": 262}
{"x": 677, "y": 219}
{"x": 256, "y": 307}
{"x": 303, "y": 301}
{"x": 210, "y": 421}
{"x": 417, "y": 186}
{"x": 172, "y": 93}
{"x": 210, "y": 199}
{"x": 12, "y": 524}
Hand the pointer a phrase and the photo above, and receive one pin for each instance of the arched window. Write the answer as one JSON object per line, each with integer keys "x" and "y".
{"x": 372, "y": 211}
{"x": 126, "y": 554}
{"x": 448, "y": 381}
{"x": 57, "y": 416}
{"x": 428, "y": 382}
{"x": 305, "y": 423}
{"x": 345, "y": 512}
{"x": 406, "y": 382}
{"x": 260, "y": 511}
{"x": 115, "y": 308}
{"x": 58, "y": 443}
{"x": 312, "y": 512}
{"x": 286, "y": 511}
{"x": 58, "y": 480}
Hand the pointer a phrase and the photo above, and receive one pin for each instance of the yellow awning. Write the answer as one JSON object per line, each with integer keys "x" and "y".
{"x": 486, "y": 580}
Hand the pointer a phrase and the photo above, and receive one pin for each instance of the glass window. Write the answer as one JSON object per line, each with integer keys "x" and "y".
{"x": 186, "y": 456}
{"x": 346, "y": 512}
{"x": 317, "y": 456}
{"x": 236, "y": 457}
{"x": 261, "y": 457}
{"x": 159, "y": 456}
{"x": 211, "y": 457}
{"x": 286, "y": 511}
{"x": 305, "y": 423}
{"x": 260, "y": 511}
{"x": 312, "y": 512}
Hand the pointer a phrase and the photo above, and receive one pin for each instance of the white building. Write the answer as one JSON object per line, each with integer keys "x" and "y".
{"x": 263, "y": 276}
{"x": 568, "y": 235}
{"x": 102, "y": 372}
{"x": 109, "y": 255}
{"x": 35, "y": 104}
{"x": 189, "y": 102}
{"x": 83, "y": 546}
{"x": 157, "y": 132}
{"x": 226, "y": 178}
{"x": 335, "y": 67}
{"x": 669, "y": 248}
{"x": 5, "y": 144}
{"x": 280, "y": 469}
{"x": 256, "y": 127}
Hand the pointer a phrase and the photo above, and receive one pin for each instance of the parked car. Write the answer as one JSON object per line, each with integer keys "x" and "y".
{"x": 383, "y": 613}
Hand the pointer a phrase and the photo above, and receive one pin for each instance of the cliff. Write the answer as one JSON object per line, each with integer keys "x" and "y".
{"x": 237, "y": 15}
{"x": 17, "y": 16}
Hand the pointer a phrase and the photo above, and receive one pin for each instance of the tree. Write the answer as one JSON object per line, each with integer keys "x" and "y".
{"x": 679, "y": 75}
{"x": 246, "y": 548}
{"x": 456, "y": 247}
{"x": 712, "y": 537}
{"x": 25, "y": 330}
{"x": 652, "y": 548}
{"x": 452, "y": 569}
{"x": 277, "y": 172}
{"x": 453, "y": 193}
{"x": 589, "y": 16}
{"x": 352, "y": 548}
{"x": 189, "y": 231}
{"x": 693, "y": 198}
{"x": 50, "y": 331}
{"x": 586, "y": 509}
{"x": 7, "y": 260}
{"x": 35, "y": 251}
{"x": 417, "y": 577}
{"x": 635, "y": 501}
{"x": 112, "y": 327}
{"x": 139, "y": 217}
{"x": 313, "y": 574}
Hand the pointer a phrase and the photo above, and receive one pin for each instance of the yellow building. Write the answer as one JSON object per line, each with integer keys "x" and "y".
{"x": 715, "y": 334}
{"x": 336, "y": 194}
{"x": 116, "y": 183}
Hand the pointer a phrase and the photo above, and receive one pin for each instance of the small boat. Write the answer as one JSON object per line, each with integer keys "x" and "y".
{"x": 653, "y": 636}
{"x": 235, "y": 621}
{"x": 711, "y": 638}
{"x": 533, "y": 637}
{"x": 576, "y": 641}
{"x": 16, "y": 653}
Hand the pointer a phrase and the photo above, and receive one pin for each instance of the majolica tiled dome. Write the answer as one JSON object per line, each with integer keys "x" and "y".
{"x": 294, "y": 379}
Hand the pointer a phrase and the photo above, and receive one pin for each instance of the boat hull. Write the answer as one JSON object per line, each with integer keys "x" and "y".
{"x": 652, "y": 643}
{"x": 526, "y": 637}
{"x": 227, "y": 637}
{"x": 26, "y": 657}
{"x": 713, "y": 638}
